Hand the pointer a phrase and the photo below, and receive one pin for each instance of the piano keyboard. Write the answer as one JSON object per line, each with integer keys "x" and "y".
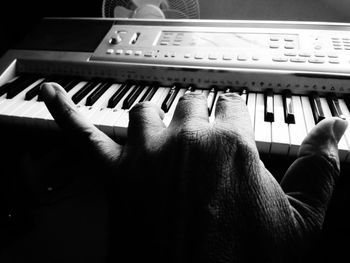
{"x": 280, "y": 120}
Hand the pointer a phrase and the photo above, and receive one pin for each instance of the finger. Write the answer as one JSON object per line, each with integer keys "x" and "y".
{"x": 324, "y": 138}
{"x": 231, "y": 112}
{"x": 310, "y": 180}
{"x": 191, "y": 109}
{"x": 145, "y": 121}
{"x": 72, "y": 121}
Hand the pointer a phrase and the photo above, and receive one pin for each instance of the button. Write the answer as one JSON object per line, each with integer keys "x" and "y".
{"x": 138, "y": 53}
{"x": 119, "y": 52}
{"x": 290, "y": 54}
{"x": 199, "y": 56}
{"x": 320, "y": 55}
{"x": 279, "y": 59}
{"x": 164, "y": 43}
{"x": 148, "y": 54}
{"x": 274, "y": 46}
{"x": 274, "y": 38}
{"x": 318, "y": 47}
{"x": 187, "y": 55}
{"x": 213, "y": 56}
{"x": 110, "y": 51}
{"x": 289, "y": 39}
{"x": 289, "y": 46}
{"x": 242, "y": 58}
{"x": 305, "y": 55}
{"x": 334, "y": 61}
{"x": 255, "y": 58}
{"x": 227, "y": 57}
{"x": 316, "y": 61}
{"x": 128, "y": 52}
{"x": 332, "y": 56}
{"x": 298, "y": 60}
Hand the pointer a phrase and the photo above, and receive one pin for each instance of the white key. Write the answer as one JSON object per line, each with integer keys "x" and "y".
{"x": 251, "y": 107}
{"x": 120, "y": 103}
{"x": 308, "y": 116}
{"x": 120, "y": 127}
{"x": 297, "y": 130}
{"x": 159, "y": 96}
{"x": 343, "y": 148}
{"x": 280, "y": 131}
{"x": 169, "y": 115}
{"x": 212, "y": 115}
{"x": 106, "y": 124}
{"x": 262, "y": 129}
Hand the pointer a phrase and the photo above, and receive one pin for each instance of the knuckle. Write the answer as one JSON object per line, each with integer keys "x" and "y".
{"x": 192, "y": 96}
{"x": 230, "y": 98}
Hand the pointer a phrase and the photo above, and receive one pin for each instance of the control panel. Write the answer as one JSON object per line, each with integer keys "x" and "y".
{"x": 275, "y": 45}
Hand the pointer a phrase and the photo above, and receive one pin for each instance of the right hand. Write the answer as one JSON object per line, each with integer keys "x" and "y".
{"x": 198, "y": 192}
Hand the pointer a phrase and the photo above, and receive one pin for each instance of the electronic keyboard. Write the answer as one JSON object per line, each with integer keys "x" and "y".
{"x": 290, "y": 74}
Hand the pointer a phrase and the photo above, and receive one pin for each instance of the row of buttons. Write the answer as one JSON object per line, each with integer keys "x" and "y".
{"x": 304, "y": 60}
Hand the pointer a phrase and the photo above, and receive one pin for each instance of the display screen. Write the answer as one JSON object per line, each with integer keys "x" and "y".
{"x": 215, "y": 39}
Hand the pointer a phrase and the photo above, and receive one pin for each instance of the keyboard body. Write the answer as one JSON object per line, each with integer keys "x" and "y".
{"x": 297, "y": 69}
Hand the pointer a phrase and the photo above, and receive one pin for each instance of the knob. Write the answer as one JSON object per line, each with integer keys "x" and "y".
{"x": 115, "y": 40}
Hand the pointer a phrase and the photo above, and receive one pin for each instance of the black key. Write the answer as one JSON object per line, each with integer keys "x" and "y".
{"x": 71, "y": 84}
{"x": 334, "y": 106}
{"x": 190, "y": 89}
{"x": 35, "y": 90}
{"x": 14, "y": 90}
{"x": 244, "y": 95}
{"x": 131, "y": 98}
{"x": 62, "y": 81}
{"x": 85, "y": 90}
{"x": 269, "y": 109}
{"x": 316, "y": 107}
{"x": 288, "y": 107}
{"x": 169, "y": 99}
{"x": 9, "y": 85}
{"x": 211, "y": 99}
{"x": 118, "y": 95}
{"x": 97, "y": 93}
{"x": 149, "y": 93}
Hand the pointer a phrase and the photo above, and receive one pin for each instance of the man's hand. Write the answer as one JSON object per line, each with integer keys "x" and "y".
{"x": 197, "y": 191}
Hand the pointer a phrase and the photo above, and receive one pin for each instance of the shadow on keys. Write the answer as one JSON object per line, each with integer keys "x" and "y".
{"x": 55, "y": 205}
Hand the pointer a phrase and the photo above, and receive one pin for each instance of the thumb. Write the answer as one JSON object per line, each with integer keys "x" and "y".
{"x": 323, "y": 139}
{"x": 72, "y": 121}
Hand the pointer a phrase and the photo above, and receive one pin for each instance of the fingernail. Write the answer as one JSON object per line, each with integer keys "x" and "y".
{"x": 339, "y": 128}
{"x": 47, "y": 91}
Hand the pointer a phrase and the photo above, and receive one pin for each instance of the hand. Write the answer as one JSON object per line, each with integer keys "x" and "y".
{"x": 198, "y": 192}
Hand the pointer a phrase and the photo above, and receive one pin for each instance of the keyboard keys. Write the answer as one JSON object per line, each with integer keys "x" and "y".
{"x": 279, "y": 129}
{"x": 288, "y": 107}
{"x": 262, "y": 128}
{"x": 297, "y": 130}
{"x": 169, "y": 99}
{"x": 130, "y": 100}
{"x": 151, "y": 90}
{"x": 97, "y": 93}
{"x": 334, "y": 106}
{"x": 316, "y": 107}
{"x": 15, "y": 89}
{"x": 308, "y": 114}
{"x": 85, "y": 90}
{"x": 211, "y": 99}
{"x": 268, "y": 106}
{"x": 118, "y": 95}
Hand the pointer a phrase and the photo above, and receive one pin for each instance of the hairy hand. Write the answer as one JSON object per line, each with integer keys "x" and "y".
{"x": 197, "y": 191}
